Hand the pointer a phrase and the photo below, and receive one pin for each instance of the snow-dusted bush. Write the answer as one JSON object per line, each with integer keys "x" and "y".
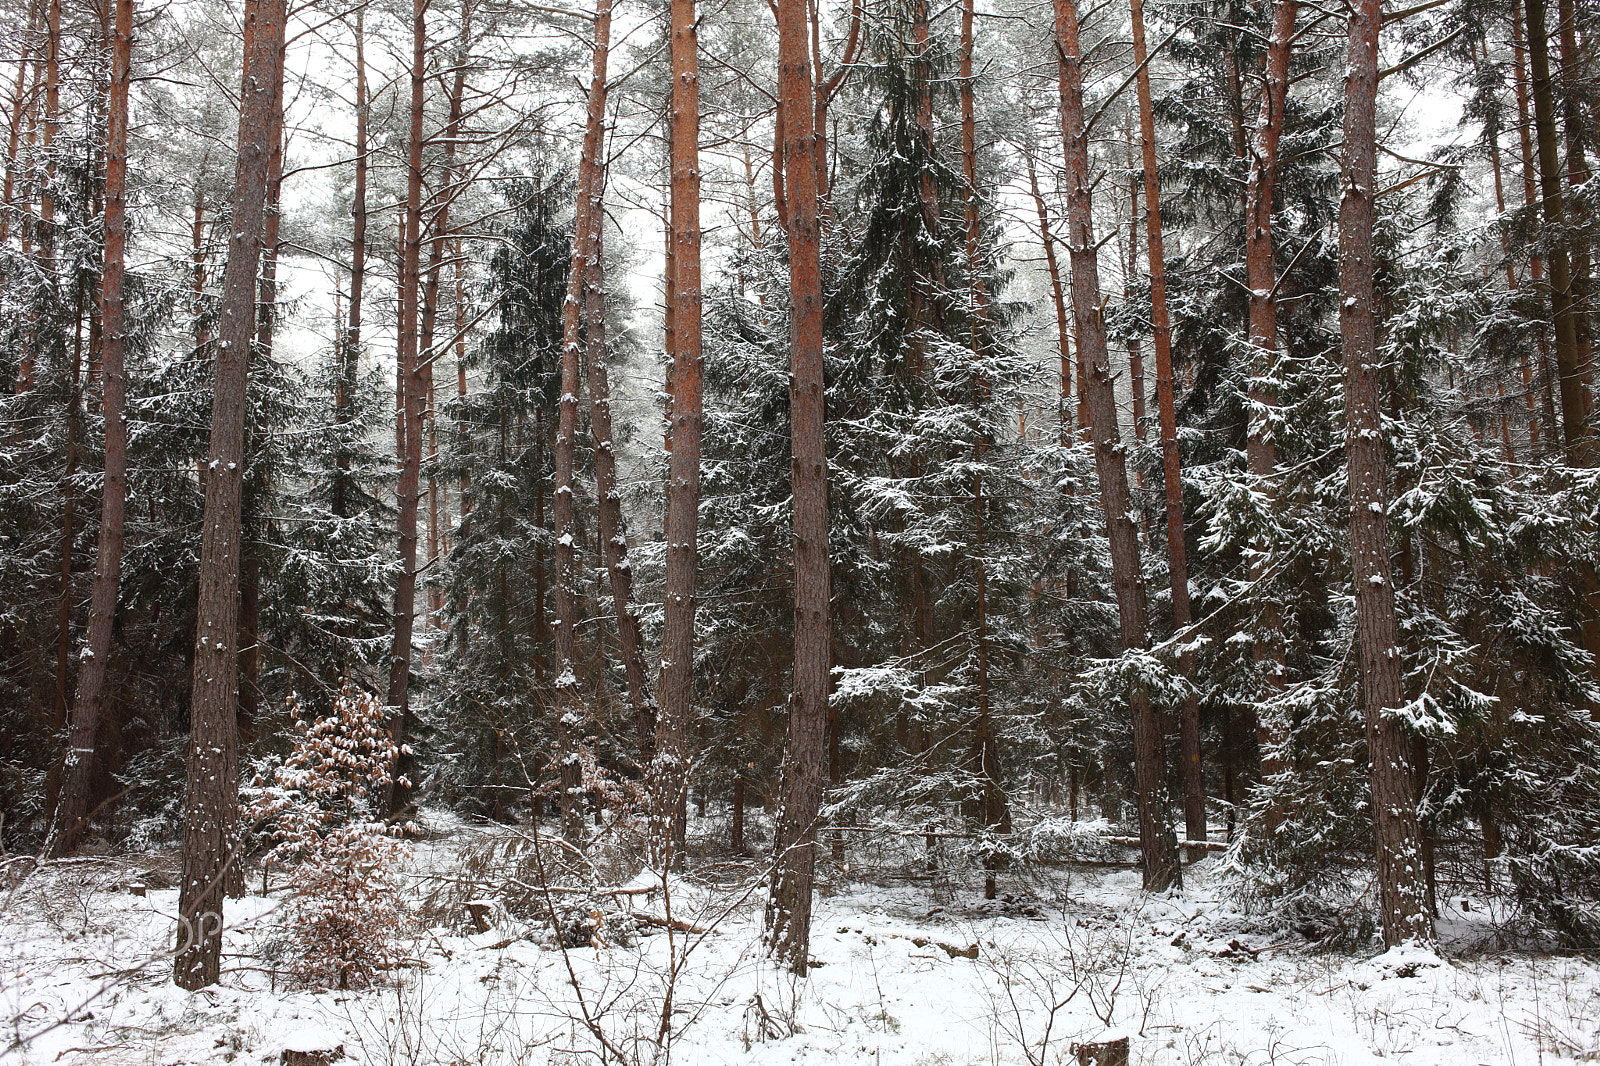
{"x": 319, "y": 808}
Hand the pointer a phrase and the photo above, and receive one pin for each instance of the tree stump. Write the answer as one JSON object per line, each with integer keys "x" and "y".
{"x": 1110, "y": 1049}
{"x": 312, "y": 1049}
{"x": 480, "y": 910}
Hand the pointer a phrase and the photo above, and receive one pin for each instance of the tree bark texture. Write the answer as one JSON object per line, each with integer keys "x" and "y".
{"x": 1397, "y": 837}
{"x": 1576, "y": 402}
{"x": 78, "y": 770}
{"x": 568, "y": 711}
{"x": 413, "y": 397}
{"x": 1194, "y": 788}
{"x": 789, "y": 907}
{"x": 669, "y": 775}
{"x": 1158, "y": 844}
{"x": 613, "y": 533}
{"x": 211, "y": 790}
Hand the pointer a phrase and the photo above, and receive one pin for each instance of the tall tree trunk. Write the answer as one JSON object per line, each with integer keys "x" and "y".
{"x": 197, "y": 254}
{"x": 789, "y": 908}
{"x": 350, "y": 338}
{"x": 1157, "y": 843}
{"x": 1397, "y": 837}
{"x": 250, "y": 562}
{"x": 439, "y": 226}
{"x": 589, "y": 164}
{"x": 1576, "y": 403}
{"x": 1194, "y": 787}
{"x": 413, "y": 396}
{"x": 1058, "y": 297}
{"x": 1261, "y": 275}
{"x": 1530, "y": 197}
{"x": 14, "y": 126}
{"x": 669, "y": 779}
{"x": 994, "y": 809}
{"x": 78, "y": 771}
{"x": 1492, "y": 136}
{"x": 613, "y": 533}
{"x": 1572, "y": 91}
{"x": 464, "y": 488}
{"x": 210, "y": 824}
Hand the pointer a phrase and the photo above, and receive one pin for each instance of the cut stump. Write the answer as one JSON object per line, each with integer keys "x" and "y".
{"x": 1110, "y": 1050}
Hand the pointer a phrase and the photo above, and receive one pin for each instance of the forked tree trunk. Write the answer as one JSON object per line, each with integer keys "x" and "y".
{"x": 413, "y": 396}
{"x": 669, "y": 775}
{"x": 211, "y": 792}
{"x": 1194, "y": 787}
{"x": 1398, "y": 841}
{"x": 613, "y": 532}
{"x": 1068, "y": 422}
{"x": 789, "y": 909}
{"x": 1157, "y": 842}
{"x": 78, "y": 771}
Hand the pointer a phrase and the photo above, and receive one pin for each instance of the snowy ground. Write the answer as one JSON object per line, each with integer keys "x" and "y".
{"x": 1188, "y": 978}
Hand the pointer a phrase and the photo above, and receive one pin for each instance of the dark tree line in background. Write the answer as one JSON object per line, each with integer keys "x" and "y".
{"x": 894, "y": 530}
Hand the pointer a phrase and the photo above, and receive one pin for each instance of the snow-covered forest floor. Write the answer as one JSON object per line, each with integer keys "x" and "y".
{"x": 923, "y": 972}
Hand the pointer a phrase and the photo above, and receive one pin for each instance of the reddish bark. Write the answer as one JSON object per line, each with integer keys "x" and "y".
{"x": 1576, "y": 403}
{"x": 78, "y": 770}
{"x": 1261, "y": 277}
{"x": 1194, "y": 794}
{"x": 789, "y": 909}
{"x": 589, "y": 163}
{"x": 1157, "y": 842}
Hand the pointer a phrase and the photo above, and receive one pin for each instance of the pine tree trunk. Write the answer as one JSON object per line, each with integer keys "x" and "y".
{"x": 197, "y": 253}
{"x": 1157, "y": 842}
{"x": 14, "y": 131}
{"x": 250, "y": 563}
{"x": 1576, "y": 402}
{"x": 613, "y": 533}
{"x": 440, "y": 228}
{"x": 78, "y": 771}
{"x": 1398, "y": 843}
{"x": 994, "y": 809}
{"x": 413, "y": 398}
{"x": 1572, "y": 89}
{"x": 789, "y": 909}
{"x": 568, "y": 710}
{"x": 1530, "y": 197}
{"x": 1261, "y": 449}
{"x": 1058, "y": 297}
{"x": 1194, "y": 788}
{"x": 211, "y": 793}
{"x": 669, "y": 777}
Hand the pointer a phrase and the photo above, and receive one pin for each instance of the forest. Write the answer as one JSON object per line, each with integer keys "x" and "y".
{"x": 1103, "y": 497}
